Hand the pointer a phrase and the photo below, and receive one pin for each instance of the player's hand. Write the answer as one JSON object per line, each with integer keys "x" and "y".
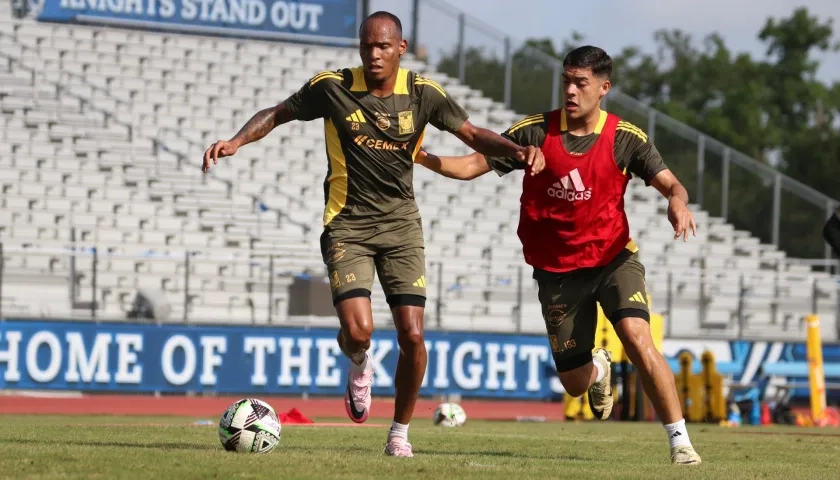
{"x": 216, "y": 151}
{"x": 533, "y": 157}
{"x": 681, "y": 219}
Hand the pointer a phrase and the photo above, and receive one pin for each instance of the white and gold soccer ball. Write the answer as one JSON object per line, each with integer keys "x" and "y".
{"x": 249, "y": 426}
{"x": 450, "y": 415}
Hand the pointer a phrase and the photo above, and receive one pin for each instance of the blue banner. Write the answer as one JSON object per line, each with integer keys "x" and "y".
{"x": 307, "y": 20}
{"x": 255, "y": 360}
{"x": 124, "y": 357}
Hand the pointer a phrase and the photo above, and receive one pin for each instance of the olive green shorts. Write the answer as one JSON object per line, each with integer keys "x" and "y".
{"x": 394, "y": 250}
{"x": 570, "y": 305}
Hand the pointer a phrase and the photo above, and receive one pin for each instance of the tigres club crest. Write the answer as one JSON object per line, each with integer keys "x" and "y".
{"x": 406, "y": 120}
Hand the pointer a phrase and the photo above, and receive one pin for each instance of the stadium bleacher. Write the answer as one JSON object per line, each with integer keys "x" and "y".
{"x": 102, "y": 131}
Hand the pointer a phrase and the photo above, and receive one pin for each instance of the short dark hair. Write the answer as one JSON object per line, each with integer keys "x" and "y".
{"x": 382, "y": 15}
{"x": 590, "y": 57}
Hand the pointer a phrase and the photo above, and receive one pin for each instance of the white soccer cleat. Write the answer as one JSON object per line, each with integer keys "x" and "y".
{"x": 684, "y": 455}
{"x": 398, "y": 447}
{"x": 600, "y": 393}
{"x": 357, "y": 397}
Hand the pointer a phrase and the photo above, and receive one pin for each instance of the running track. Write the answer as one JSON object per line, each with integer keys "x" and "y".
{"x": 212, "y": 407}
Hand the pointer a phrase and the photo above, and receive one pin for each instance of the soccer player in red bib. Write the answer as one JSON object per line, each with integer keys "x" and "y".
{"x": 575, "y": 234}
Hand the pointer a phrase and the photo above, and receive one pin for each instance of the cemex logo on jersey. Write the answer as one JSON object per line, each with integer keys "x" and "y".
{"x": 570, "y": 188}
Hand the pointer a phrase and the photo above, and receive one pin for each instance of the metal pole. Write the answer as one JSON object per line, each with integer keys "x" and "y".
{"x": 186, "y": 284}
{"x": 462, "y": 48}
{"x": 724, "y": 200}
{"x": 814, "y": 294}
{"x": 415, "y": 26}
{"x": 519, "y": 298}
{"x": 625, "y": 390}
{"x": 701, "y": 167}
{"x": 270, "y": 287}
{"x": 742, "y": 287}
{"x": 508, "y": 71}
{"x": 670, "y": 303}
{"x": 651, "y": 133}
{"x": 93, "y": 282}
{"x": 365, "y": 8}
{"x": 777, "y": 207}
{"x": 439, "y": 303}
{"x": 73, "y": 292}
{"x": 829, "y": 211}
{"x": 639, "y": 414}
{"x": 555, "y": 87}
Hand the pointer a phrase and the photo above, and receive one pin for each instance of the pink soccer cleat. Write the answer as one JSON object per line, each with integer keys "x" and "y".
{"x": 357, "y": 396}
{"x": 398, "y": 447}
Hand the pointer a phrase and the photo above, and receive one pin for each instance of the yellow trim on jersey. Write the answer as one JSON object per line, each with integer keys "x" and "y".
{"x": 401, "y": 87}
{"x": 418, "y": 145}
{"x": 602, "y": 120}
{"x": 324, "y": 75}
{"x": 628, "y": 127}
{"x": 418, "y": 80}
{"x": 338, "y": 173}
{"x": 631, "y": 245}
{"x": 524, "y": 124}
{"x": 529, "y": 119}
{"x": 359, "y": 83}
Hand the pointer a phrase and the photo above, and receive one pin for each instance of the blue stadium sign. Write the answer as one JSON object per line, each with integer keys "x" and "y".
{"x": 122, "y": 357}
{"x": 330, "y": 21}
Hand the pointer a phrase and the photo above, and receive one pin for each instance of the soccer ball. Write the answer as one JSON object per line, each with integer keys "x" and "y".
{"x": 450, "y": 415}
{"x": 249, "y": 426}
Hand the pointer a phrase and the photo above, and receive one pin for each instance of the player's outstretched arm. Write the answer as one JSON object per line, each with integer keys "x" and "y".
{"x": 466, "y": 167}
{"x": 679, "y": 214}
{"x": 492, "y": 144}
{"x": 260, "y": 125}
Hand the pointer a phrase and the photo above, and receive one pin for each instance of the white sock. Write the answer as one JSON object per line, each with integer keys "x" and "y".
{"x": 677, "y": 434}
{"x": 600, "y": 369}
{"x": 359, "y": 361}
{"x": 398, "y": 430}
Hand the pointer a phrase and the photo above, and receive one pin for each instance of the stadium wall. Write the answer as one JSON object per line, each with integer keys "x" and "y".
{"x": 225, "y": 360}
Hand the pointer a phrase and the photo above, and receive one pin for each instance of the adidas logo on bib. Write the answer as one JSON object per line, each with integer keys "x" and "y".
{"x": 570, "y": 188}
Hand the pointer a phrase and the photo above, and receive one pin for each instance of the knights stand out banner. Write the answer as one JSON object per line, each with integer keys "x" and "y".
{"x": 328, "y": 21}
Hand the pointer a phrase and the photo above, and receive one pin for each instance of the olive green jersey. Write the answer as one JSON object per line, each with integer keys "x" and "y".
{"x": 371, "y": 141}
{"x": 634, "y": 153}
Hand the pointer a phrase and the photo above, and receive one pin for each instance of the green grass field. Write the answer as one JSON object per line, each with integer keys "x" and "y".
{"x": 148, "y": 447}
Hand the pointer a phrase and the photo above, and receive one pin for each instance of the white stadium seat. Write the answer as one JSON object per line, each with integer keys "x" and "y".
{"x": 115, "y": 151}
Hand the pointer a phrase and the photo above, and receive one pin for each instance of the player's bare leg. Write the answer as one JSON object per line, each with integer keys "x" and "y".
{"x": 658, "y": 382}
{"x": 356, "y": 320}
{"x": 411, "y": 368}
{"x": 595, "y": 378}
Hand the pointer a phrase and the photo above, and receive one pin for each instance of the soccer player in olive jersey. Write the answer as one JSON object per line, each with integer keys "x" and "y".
{"x": 374, "y": 120}
{"x": 575, "y": 233}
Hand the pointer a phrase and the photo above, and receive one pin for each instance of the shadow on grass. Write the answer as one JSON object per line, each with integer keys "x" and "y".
{"x": 93, "y": 443}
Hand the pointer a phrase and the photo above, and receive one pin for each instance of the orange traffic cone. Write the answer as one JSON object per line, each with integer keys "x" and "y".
{"x": 765, "y": 414}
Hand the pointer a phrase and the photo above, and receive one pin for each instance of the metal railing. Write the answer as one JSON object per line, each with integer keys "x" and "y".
{"x": 186, "y": 286}
{"x": 748, "y": 193}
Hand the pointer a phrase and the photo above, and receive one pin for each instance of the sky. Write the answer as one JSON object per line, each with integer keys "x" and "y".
{"x": 615, "y": 24}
